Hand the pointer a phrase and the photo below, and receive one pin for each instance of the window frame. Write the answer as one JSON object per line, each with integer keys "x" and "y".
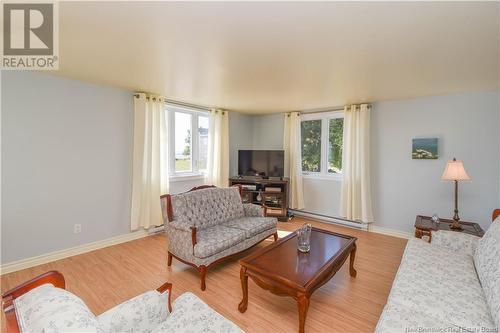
{"x": 195, "y": 173}
{"x": 325, "y": 141}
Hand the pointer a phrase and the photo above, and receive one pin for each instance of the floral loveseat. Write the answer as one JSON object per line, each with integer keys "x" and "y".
{"x": 449, "y": 285}
{"x": 207, "y": 225}
{"x": 42, "y": 305}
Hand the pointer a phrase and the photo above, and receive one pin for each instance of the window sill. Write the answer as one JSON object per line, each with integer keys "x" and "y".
{"x": 320, "y": 176}
{"x": 186, "y": 176}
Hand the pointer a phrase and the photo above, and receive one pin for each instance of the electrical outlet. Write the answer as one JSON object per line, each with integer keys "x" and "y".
{"x": 77, "y": 228}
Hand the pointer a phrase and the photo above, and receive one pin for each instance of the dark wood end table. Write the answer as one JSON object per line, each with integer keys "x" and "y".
{"x": 424, "y": 226}
{"x": 284, "y": 271}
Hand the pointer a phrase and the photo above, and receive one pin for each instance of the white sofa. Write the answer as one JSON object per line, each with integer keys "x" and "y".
{"x": 43, "y": 305}
{"x": 449, "y": 285}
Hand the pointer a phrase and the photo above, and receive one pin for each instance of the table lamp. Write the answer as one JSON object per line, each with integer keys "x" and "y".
{"x": 455, "y": 171}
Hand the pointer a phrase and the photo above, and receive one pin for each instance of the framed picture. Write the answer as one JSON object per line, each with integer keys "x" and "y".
{"x": 425, "y": 149}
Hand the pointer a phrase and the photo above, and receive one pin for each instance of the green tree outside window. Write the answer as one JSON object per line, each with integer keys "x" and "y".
{"x": 311, "y": 145}
{"x": 335, "y": 133}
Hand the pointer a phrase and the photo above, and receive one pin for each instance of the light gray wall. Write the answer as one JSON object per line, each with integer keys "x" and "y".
{"x": 268, "y": 132}
{"x": 240, "y": 137}
{"x": 66, "y": 159}
{"x": 467, "y": 128}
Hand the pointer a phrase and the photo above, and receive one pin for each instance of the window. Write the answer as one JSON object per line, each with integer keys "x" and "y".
{"x": 183, "y": 146}
{"x": 321, "y": 141}
{"x": 335, "y": 137}
{"x": 188, "y": 141}
{"x": 311, "y": 145}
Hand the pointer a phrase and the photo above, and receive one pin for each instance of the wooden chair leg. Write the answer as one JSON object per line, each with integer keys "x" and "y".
{"x": 203, "y": 272}
{"x": 275, "y": 235}
{"x": 169, "y": 259}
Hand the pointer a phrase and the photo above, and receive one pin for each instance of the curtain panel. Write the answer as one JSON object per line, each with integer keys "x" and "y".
{"x": 355, "y": 200}
{"x": 150, "y": 161}
{"x": 218, "y": 148}
{"x": 293, "y": 161}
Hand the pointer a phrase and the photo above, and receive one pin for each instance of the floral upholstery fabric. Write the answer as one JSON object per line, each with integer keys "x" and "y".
{"x": 401, "y": 319}
{"x": 207, "y": 207}
{"x": 179, "y": 242}
{"x": 216, "y": 239}
{"x": 139, "y": 314}
{"x": 253, "y": 210}
{"x": 457, "y": 241}
{"x": 190, "y": 314}
{"x": 439, "y": 283}
{"x": 487, "y": 261}
{"x": 176, "y": 238}
{"x": 50, "y": 309}
{"x": 252, "y": 225}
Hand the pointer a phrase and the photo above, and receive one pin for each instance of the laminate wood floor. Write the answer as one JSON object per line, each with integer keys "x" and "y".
{"x": 106, "y": 277}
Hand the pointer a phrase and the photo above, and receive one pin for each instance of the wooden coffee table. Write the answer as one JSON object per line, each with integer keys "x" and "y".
{"x": 284, "y": 271}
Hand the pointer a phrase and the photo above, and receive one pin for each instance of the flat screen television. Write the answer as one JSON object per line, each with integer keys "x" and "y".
{"x": 263, "y": 163}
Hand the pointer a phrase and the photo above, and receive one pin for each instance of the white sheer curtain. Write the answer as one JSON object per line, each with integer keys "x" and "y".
{"x": 355, "y": 202}
{"x": 293, "y": 161}
{"x": 150, "y": 164}
{"x": 218, "y": 148}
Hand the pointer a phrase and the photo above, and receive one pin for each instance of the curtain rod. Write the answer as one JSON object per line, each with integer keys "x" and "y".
{"x": 182, "y": 104}
{"x": 313, "y": 111}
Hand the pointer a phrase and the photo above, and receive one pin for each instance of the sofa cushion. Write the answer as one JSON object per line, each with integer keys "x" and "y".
{"x": 138, "y": 314}
{"x": 397, "y": 318}
{"x": 441, "y": 283}
{"x": 190, "y": 314}
{"x": 50, "y": 309}
{"x": 216, "y": 239}
{"x": 252, "y": 225}
{"x": 207, "y": 207}
{"x": 487, "y": 262}
{"x": 457, "y": 241}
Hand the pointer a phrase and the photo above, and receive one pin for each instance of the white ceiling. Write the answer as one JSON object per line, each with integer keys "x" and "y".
{"x": 267, "y": 57}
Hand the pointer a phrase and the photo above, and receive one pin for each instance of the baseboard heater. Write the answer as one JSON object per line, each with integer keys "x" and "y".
{"x": 331, "y": 219}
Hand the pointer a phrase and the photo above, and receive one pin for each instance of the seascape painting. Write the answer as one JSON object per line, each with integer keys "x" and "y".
{"x": 425, "y": 149}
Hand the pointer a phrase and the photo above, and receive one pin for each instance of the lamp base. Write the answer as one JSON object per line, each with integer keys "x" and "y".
{"x": 456, "y": 225}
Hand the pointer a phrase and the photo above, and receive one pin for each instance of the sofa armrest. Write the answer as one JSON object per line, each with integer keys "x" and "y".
{"x": 178, "y": 225}
{"x": 456, "y": 241}
{"x": 178, "y": 232}
{"x": 252, "y": 210}
{"x": 52, "y": 277}
{"x": 142, "y": 313}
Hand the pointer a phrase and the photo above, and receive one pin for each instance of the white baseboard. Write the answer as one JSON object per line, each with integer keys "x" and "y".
{"x": 390, "y": 232}
{"x": 73, "y": 251}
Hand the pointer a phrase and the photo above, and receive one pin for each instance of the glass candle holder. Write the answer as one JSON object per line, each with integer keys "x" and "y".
{"x": 435, "y": 219}
{"x": 304, "y": 238}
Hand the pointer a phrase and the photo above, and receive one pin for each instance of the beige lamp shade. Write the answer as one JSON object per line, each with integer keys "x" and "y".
{"x": 455, "y": 171}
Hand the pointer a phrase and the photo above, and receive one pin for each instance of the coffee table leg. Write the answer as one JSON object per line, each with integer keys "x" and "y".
{"x": 242, "y": 307}
{"x": 352, "y": 256}
{"x": 303, "y": 305}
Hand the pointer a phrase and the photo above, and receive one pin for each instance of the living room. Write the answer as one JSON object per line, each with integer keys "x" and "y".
{"x": 354, "y": 148}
